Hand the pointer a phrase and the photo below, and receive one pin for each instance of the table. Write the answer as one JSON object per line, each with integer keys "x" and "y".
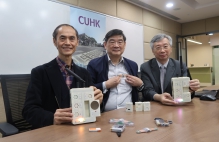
{"x": 194, "y": 121}
{"x": 213, "y": 87}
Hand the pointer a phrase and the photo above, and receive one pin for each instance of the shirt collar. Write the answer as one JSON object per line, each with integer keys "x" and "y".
{"x": 165, "y": 65}
{"x": 121, "y": 59}
{"x": 62, "y": 64}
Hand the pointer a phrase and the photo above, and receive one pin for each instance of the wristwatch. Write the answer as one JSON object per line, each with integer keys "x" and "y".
{"x": 141, "y": 87}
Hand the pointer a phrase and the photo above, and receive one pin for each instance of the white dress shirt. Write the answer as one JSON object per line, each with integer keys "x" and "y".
{"x": 120, "y": 94}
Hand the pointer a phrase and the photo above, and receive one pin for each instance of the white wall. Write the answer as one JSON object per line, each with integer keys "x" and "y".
{"x": 26, "y": 33}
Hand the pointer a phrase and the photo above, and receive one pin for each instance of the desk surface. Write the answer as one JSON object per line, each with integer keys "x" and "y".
{"x": 213, "y": 87}
{"x": 195, "y": 121}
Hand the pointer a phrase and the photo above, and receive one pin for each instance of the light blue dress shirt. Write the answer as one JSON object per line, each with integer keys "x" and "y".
{"x": 120, "y": 94}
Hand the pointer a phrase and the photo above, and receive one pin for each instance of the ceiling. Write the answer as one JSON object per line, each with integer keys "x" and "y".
{"x": 183, "y": 10}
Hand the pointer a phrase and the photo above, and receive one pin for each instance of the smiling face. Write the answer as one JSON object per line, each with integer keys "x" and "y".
{"x": 115, "y": 46}
{"x": 162, "y": 50}
{"x": 66, "y": 41}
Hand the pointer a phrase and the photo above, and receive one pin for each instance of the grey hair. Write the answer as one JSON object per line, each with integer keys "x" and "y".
{"x": 159, "y": 37}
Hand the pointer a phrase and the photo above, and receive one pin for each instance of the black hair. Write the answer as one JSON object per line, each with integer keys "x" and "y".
{"x": 113, "y": 33}
{"x": 55, "y": 32}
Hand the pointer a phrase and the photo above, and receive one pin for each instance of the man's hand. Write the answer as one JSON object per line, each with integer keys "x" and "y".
{"x": 133, "y": 80}
{"x": 113, "y": 82}
{"x": 165, "y": 98}
{"x": 194, "y": 84}
{"x": 98, "y": 95}
{"x": 62, "y": 116}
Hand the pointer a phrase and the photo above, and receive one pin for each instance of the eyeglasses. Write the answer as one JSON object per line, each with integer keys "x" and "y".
{"x": 120, "y": 42}
{"x": 161, "y": 48}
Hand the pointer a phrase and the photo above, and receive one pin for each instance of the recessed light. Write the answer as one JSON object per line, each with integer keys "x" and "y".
{"x": 169, "y": 5}
{"x": 3, "y": 5}
{"x": 209, "y": 42}
{"x": 210, "y": 34}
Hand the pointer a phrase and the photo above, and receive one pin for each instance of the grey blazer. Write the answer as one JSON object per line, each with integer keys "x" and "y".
{"x": 150, "y": 75}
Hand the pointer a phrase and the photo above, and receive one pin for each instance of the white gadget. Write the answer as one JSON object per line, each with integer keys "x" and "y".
{"x": 84, "y": 108}
{"x": 138, "y": 106}
{"x": 146, "y": 106}
{"x": 180, "y": 89}
{"x": 129, "y": 107}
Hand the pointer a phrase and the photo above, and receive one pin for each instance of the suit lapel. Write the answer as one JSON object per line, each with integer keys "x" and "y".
{"x": 169, "y": 73}
{"x": 155, "y": 71}
{"x": 127, "y": 67}
{"x": 56, "y": 80}
{"x": 105, "y": 67}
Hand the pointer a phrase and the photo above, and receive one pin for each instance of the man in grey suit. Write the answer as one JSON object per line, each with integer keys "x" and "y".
{"x": 154, "y": 76}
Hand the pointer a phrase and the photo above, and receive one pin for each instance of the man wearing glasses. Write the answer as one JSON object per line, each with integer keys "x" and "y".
{"x": 157, "y": 72}
{"x": 114, "y": 74}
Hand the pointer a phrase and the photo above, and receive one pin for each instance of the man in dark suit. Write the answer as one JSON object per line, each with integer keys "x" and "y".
{"x": 48, "y": 95}
{"x": 115, "y": 75}
{"x": 154, "y": 76}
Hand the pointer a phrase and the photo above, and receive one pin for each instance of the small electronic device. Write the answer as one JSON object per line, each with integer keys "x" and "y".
{"x": 161, "y": 122}
{"x": 146, "y": 130}
{"x": 121, "y": 121}
{"x": 118, "y": 128}
{"x": 146, "y": 106}
{"x": 138, "y": 106}
{"x": 129, "y": 107}
{"x": 180, "y": 89}
{"x": 94, "y": 129}
{"x": 84, "y": 108}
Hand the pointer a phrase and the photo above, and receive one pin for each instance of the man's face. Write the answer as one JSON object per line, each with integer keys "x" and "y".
{"x": 66, "y": 41}
{"x": 162, "y": 50}
{"x": 115, "y": 45}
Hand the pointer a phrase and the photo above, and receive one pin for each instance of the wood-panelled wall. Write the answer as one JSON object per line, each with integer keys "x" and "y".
{"x": 201, "y": 26}
{"x": 153, "y": 23}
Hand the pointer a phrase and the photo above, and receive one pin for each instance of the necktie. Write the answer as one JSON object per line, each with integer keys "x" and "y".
{"x": 162, "y": 74}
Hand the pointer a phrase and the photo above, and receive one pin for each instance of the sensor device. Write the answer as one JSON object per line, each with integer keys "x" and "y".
{"x": 161, "y": 122}
{"x": 138, "y": 106}
{"x": 84, "y": 108}
{"x": 146, "y": 106}
{"x": 118, "y": 128}
{"x": 180, "y": 89}
{"x": 129, "y": 107}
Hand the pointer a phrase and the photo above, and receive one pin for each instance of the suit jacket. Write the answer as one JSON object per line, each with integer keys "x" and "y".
{"x": 47, "y": 91}
{"x": 150, "y": 75}
{"x": 98, "y": 69}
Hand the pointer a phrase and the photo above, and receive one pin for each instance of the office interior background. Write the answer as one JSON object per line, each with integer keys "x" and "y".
{"x": 184, "y": 21}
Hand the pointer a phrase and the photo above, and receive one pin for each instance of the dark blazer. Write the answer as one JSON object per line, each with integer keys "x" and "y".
{"x": 150, "y": 75}
{"x": 47, "y": 84}
{"x": 98, "y": 69}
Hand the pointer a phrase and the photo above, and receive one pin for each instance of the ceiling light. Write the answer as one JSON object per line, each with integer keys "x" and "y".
{"x": 210, "y": 34}
{"x": 3, "y": 5}
{"x": 169, "y": 5}
{"x": 209, "y": 42}
{"x": 194, "y": 41}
